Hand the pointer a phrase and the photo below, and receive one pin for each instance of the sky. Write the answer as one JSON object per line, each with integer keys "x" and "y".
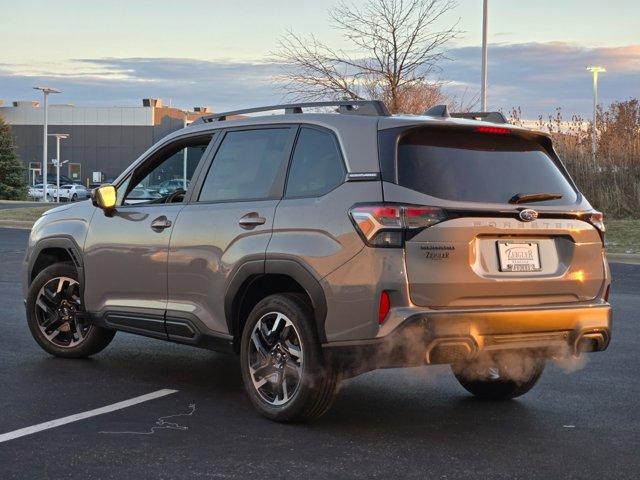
{"x": 217, "y": 53}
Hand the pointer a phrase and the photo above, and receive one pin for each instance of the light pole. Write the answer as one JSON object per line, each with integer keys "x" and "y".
{"x": 185, "y": 123}
{"x": 46, "y": 91}
{"x": 485, "y": 27}
{"x": 59, "y": 136}
{"x": 57, "y": 163}
{"x": 595, "y": 71}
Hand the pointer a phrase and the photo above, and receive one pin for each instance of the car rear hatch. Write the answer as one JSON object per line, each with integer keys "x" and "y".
{"x": 487, "y": 248}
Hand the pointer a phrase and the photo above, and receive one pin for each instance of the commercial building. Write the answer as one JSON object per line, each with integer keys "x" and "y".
{"x": 103, "y": 141}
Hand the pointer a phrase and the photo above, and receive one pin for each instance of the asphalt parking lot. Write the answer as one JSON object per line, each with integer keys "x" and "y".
{"x": 414, "y": 423}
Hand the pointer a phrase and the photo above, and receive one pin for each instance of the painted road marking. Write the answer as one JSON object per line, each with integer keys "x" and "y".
{"x": 5, "y": 437}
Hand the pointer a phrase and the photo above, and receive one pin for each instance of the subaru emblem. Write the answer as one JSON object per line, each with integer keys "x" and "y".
{"x": 528, "y": 215}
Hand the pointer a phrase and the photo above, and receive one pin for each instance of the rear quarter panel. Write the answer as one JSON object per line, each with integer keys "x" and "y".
{"x": 318, "y": 232}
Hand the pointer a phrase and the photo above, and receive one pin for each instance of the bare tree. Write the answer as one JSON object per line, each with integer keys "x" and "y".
{"x": 397, "y": 47}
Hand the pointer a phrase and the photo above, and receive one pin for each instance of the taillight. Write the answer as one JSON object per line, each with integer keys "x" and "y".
{"x": 494, "y": 130}
{"x": 385, "y": 306}
{"x": 388, "y": 225}
{"x": 597, "y": 220}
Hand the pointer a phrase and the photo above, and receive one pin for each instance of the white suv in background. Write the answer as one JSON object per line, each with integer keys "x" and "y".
{"x": 74, "y": 192}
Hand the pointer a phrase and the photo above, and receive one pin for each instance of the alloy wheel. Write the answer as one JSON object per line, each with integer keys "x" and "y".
{"x": 57, "y": 305}
{"x": 275, "y": 358}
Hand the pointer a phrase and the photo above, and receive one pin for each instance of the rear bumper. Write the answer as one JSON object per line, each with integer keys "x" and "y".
{"x": 448, "y": 337}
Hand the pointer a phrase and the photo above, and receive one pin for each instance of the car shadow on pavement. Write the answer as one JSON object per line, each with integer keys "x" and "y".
{"x": 392, "y": 402}
{"x": 389, "y": 401}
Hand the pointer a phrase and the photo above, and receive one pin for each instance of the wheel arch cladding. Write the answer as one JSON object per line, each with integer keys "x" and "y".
{"x": 256, "y": 280}
{"x": 54, "y": 250}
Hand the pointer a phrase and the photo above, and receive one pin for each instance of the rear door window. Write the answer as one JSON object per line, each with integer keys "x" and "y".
{"x": 316, "y": 167}
{"x": 478, "y": 167}
{"x": 249, "y": 165}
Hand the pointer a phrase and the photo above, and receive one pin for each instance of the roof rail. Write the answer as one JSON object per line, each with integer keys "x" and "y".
{"x": 442, "y": 111}
{"x": 349, "y": 107}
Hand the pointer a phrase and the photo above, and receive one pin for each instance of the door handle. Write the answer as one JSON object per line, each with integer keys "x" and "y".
{"x": 160, "y": 223}
{"x": 251, "y": 220}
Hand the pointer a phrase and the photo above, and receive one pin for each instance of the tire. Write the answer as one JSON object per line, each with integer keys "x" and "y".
{"x": 500, "y": 376}
{"x": 283, "y": 370}
{"x": 74, "y": 198}
{"x": 51, "y": 306}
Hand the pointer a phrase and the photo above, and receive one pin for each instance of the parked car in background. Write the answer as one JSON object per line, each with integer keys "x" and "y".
{"x": 93, "y": 185}
{"x": 35, "y": 192}
{"x": 169, "y": 186}
{"x": 51, "y": 178}
{"x": 142, "y": 194}
{"x": 74, "y": 192}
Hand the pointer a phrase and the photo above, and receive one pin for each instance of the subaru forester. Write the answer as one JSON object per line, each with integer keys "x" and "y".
{"x": 318, "y": 246}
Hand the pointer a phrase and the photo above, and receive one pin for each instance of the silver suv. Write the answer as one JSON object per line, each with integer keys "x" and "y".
{"x": 319, "y": 246}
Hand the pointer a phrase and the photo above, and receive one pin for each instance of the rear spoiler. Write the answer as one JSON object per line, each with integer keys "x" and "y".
{"x": 443, "y": 111}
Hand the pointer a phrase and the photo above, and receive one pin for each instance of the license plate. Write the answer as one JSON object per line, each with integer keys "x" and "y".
{"x": 519, "y": 256}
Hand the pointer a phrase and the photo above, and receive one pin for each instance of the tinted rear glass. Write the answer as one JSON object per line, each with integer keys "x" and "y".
{"x": 316, "y": 167}
{"x": 478, "y": 167}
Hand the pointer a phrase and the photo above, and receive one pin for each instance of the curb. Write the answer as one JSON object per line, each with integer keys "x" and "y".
{"x": 22, "y": 202}
{"x": 22, "y": 224}
{"x": 629, "y": 258}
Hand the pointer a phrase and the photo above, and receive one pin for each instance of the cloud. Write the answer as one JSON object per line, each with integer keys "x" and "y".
{"x": 535, "y": 76}
{"x": 125, "y": 81}
{"x": 541, "y": 76}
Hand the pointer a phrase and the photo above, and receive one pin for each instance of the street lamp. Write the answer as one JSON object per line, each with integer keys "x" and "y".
{"x": 595, "y": 70}
{"x": 185, "y": 124}
{"x": 485, "y": 27}
{"x": 59, "y": 136}
{"x": 46, "y": 91}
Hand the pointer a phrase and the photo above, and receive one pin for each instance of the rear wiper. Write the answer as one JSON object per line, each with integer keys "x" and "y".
{"x": 534, "y": 197}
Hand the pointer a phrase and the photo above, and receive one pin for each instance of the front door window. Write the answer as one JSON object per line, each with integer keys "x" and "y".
{"x": 168, "y": 177}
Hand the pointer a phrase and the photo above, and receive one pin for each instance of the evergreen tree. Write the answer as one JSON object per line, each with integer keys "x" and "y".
{"x": 12, "y": 177}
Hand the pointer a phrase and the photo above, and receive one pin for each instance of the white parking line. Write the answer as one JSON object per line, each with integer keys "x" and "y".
{"x": 5, "y": 437}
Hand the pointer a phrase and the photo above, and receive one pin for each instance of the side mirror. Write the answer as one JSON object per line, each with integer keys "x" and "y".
{"x": 105, "y": 197}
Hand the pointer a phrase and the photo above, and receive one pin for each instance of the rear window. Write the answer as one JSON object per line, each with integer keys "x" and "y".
{"x": 478, "y": 167}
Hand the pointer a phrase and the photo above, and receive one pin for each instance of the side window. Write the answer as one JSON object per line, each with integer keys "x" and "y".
{"x": 166, "y": 177}
{"x": 249, "y": 165}
{"x": 316, "y": 167}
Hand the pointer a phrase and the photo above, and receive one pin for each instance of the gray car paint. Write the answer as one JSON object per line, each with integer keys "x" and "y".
{"x": 206, "y": 246}
{"x": 121, "y": 274}
{"x": 68, "y": 221}
{"x": 317, "y": 231}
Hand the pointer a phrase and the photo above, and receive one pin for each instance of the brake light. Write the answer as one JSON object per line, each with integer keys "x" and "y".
{"x": 385, "y": 306}
{"x": 388, "y": 225}
{"x": 597, "y": 220}
{"x": 495, "y": 130}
